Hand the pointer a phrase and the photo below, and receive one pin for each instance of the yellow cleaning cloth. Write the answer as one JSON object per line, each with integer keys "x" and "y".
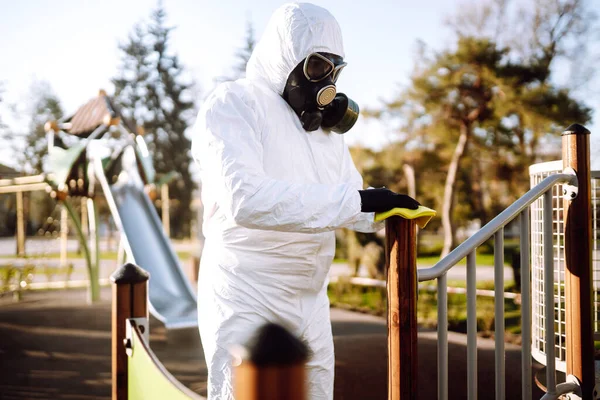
{"x": 422, "y": 215}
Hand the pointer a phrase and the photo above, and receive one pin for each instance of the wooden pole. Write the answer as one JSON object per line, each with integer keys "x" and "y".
{"x": 578, "y": 261}
{"x": 273, "y": 368}
{"x": 164, "y": 201}
{"x": 401, "y": 250}
{"x": 84, "y": 222}
{"x": 64, "y": 235}
{"x": 94, "y": 246}
{"x": 130, "y": 300}
{"x": 20, "y": 226}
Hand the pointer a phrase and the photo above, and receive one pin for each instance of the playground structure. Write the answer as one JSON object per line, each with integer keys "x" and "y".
{"x": 538, "y": 172}
{"x": 573, "y": 182}
{"x": 103, "y": 152}
{"x": 138, "y": 374}
{"x": 35, "y": 266}
{"x": 96, "y": 148}
{"x": 19, "y": 271}
{"x": 576, "y": 234}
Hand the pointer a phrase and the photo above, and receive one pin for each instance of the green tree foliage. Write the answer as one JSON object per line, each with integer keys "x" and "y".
{"x": 485, "y": 111}
{"x": 132, "y": 79}
{"x": 29, "y": 142}
{"x": 45, "y": 106}
{"x": 2, "y": 125}
{"x": 151, "y": 89}
{"x": 244, "y": 53}
{"x": 242, "y": 56}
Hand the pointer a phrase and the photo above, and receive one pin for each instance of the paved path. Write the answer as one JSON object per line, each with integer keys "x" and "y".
{"x": 54, "y": 346}
{"x": 40, "y": 245}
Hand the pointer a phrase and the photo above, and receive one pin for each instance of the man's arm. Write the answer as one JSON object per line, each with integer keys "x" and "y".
{"x": 365, "y": 222}
{"x": 227, "y": 146}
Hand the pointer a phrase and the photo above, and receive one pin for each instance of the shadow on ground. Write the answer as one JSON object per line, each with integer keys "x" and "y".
{"x": 54, "y": 346}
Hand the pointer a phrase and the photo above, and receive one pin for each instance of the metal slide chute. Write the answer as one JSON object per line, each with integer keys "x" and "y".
{"x": 97, "y": 145}
{"x": 172, "y": 299}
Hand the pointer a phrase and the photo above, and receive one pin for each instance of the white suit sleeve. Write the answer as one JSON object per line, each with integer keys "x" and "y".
{"x": 365, "y": 222}
{"x": 227, "y": 146}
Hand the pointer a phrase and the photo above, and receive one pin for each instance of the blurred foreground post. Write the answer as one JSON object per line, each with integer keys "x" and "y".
{"x": 272, "y": 367}
{"x": 578, "y": 261}
{"x": 129, "y": 300}
{"x": 401, "y": 250}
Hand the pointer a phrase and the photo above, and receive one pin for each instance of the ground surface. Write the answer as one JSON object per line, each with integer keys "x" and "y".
{"x": 54, "y": 346}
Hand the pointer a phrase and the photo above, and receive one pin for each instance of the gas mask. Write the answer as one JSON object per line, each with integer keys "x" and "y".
{"x": 310, "y": 91}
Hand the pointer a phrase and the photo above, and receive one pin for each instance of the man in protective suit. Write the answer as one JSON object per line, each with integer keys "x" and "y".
{"x": 277, "y": 180}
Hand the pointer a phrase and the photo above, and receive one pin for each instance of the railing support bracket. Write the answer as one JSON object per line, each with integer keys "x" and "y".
{"x": 571, "y": 188}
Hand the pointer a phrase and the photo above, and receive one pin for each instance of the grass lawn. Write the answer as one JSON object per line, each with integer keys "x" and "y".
{"x": 373, "y": 300}
{"x": 480, "y": 259}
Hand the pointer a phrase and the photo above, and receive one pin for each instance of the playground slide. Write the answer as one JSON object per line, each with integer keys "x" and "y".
{"x": 172, "y": 299}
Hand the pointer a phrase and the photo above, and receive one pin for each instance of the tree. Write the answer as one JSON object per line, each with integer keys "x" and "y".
{"x": 45, "y": 107}
{"x": 29, "y": 144}
{"x": 152, "y": 90}
{"x": 242, "y": 56}
{"x": 2, "y": 125}
{"x": 483, "y": 98}
{"x": 131, "y": 80}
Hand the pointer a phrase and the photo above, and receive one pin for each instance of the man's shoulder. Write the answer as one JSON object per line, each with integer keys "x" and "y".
{"x": 239, "y": 90}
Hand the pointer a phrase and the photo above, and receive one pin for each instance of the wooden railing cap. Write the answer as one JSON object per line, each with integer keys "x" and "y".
{"x": 576, "y": 129}
{"x": 128, "y": 274}
{"x": 273, "y": 345}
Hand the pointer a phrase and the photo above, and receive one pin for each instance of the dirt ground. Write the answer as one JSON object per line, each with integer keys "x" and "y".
{"x": 55, "y": 346}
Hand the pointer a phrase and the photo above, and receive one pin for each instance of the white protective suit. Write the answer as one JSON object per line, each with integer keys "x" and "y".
{"x": 273, "y": 195}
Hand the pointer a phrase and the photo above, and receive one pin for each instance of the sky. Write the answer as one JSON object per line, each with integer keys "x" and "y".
{"x": 73, "y": 45}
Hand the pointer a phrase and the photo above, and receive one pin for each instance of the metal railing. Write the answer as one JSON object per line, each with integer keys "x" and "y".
{"x": 495, "y": 228}
{"x": 575, "y": 227}
{"x": 537, "y": 173}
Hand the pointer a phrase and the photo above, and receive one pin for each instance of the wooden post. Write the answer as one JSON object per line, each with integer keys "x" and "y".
{"x": 64, "y": 235}
{"x": 20, "y": 226}
{"x": 84, "y": 223}
{"x": 401, "y": 250}
{"x": 578, "y": 261}
{"x": 164, "y": 201}
{"x": 94, "y": 247}
{"x": 130, "y": 300}
{"x": 273, "y": 368}
{"x": 84, "y": 216}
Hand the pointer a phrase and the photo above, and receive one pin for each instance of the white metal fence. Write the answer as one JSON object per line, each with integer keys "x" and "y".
{"x": 539, "y": 172}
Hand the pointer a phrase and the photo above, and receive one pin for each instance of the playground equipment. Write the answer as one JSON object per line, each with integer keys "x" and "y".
{"x": 22, "y": 272}
{"x": 136, "y": 371}
{"x": 99, "y": 147}
{"x": 575, "y": 239}
{"x": 563, "y": 328}
{"x": 138, "y": 374}
{"x": 261, "y": 373}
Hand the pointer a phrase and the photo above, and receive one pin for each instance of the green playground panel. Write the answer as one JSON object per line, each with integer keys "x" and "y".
{"x": 148, "y": 379}
{"x": 62, "y": 161}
